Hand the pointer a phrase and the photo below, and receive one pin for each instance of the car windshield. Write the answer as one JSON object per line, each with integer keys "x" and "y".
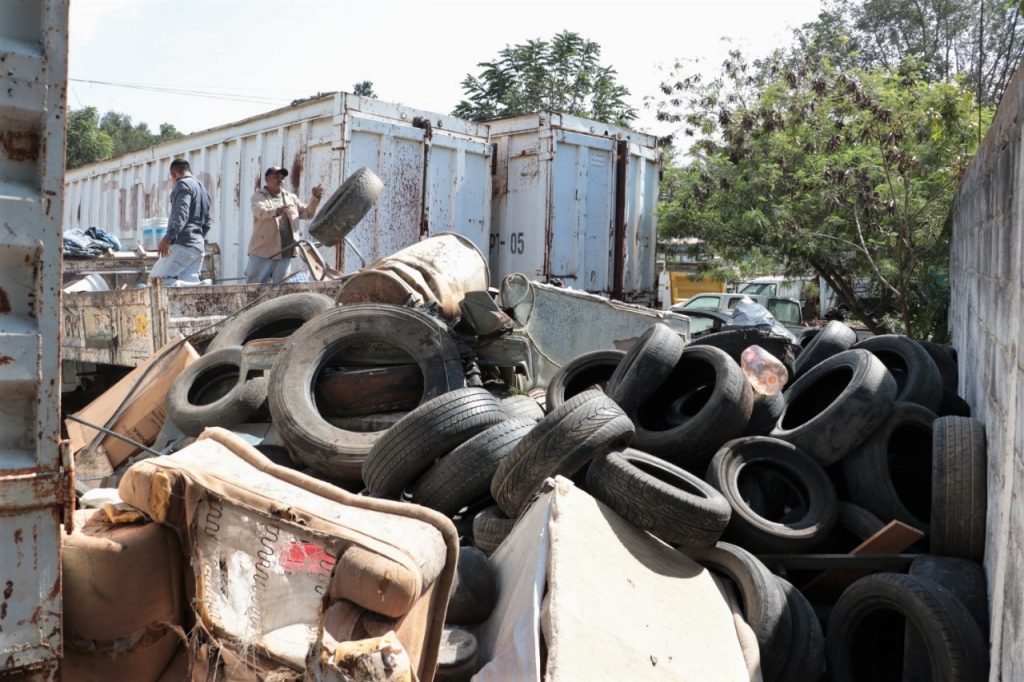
{"x": 785, "y": 311}
{"x": 699, "y": 325}
{"x": 759, "y": 289}
{"x": 703, "y": 302}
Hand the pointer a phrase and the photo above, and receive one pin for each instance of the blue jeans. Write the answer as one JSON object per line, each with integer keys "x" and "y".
{"x": 180, "y": 267}
{"x": 262, "y": 270}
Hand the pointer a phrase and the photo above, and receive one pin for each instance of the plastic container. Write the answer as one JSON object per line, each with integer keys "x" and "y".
{"x": 764, "y": 371}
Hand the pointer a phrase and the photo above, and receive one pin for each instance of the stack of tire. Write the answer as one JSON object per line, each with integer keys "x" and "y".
{"x": 854, "y": 442}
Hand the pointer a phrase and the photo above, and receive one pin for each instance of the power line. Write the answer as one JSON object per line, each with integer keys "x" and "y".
{"x": 231, "y": 97}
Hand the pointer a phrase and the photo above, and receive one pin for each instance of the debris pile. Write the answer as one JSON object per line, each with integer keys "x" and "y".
{"x": 403, "y": 442}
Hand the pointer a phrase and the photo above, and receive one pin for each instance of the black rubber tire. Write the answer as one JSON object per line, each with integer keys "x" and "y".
{"x": 735, "y": 341}
{"x": 853, "y": 526}
{"x": 644, "y": 367}
{"x": 490, "y": 528}
{"x": 833, "y": 339}
{"x": 953, "y": 405}
{"x": 963, "y": 578}
{"x": 703, "y": 403}
{"x": 917, "y": 377}
{"x": 586, "y": 426}
{"x": 765, "y": 412}
{"x": 861, "y": 637}
{"x": 658, "y": 497}
{"x": 764, "y": 603}
{"x": 380, "y": 421}
{"x": 277, "y": 318}
{"x": 425, "y": 435}
{"x": 522, "y": 407}
{"x": 806, "y": 659}
{"x": 322, "y": 447}
{"x": 808, "y": 335}
{"x": 799, "y": 503}
{"x": 959, "y": 488}
{"x": 458, "y": 657}
{"x": 890, "y": 473}
{"x": 582, "y": 373}
{"x": 945, "y": 360}
{"x": 836, "y": 405}
{"x": 474, "y": 590}
{"x": 463, "y": 476}
{"x": 346, "y": 207}
{"x": 211, "y": 392}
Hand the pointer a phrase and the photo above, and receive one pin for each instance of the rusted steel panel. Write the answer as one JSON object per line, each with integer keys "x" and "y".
{"x": 33, "y": 51}
{"x": 347, "y": 392}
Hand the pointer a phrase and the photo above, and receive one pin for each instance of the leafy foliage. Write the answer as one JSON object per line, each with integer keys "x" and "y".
{"x": 563, "y": 74}
{"x": 942, "y": 34}
{"x": 846, "y": 173}
{"x": 91, "y": 138}
{"x": 364, "y": 89}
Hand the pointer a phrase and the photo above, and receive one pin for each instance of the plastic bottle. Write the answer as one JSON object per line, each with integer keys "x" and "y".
{"x": 763, "y": 370}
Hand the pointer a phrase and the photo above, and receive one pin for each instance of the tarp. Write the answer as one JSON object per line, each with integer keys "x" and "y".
{"x": 609, "y": 600}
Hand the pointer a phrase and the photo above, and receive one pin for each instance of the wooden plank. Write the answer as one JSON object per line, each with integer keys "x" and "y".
{"x": 894, "y": 538}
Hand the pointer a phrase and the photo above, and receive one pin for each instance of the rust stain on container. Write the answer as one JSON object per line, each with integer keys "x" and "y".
{"x": 20, "y": 145}
{"x": 19, "y": 534}
{"x": 5, "y": 303}
{"x": 296, "y": 175}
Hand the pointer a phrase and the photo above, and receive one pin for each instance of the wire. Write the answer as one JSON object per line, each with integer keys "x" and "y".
{"x": 231, "y": 97}
{"x": 115, "y": 434}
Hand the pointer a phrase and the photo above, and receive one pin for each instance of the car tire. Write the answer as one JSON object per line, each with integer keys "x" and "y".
{"x": 522, "y": 407}
{"x": 765, "y": 412}
{"x": 644, "y": 367}
{"x": 586, "y": 426}
{"x": 798, "y": 505}
{"x": 348, "y": 205}
{"x": 917, "y": 377}
{"x": 327, "y": 449}
{"x": 582, "y": 373}
{"x": 277, "y": 318}
{"x": 704, "y": 402}
{"x": 490, "y": 528}
{"x": 959, "y": 488}
{"x": 735, "y": 341}
{"x": 212, "y": 392}
{"x": 764, "y": 603}
{"x": 953, "y": 405}
{"x": 963, "y": 578}
{"x": 474, "y": 590}
{"x": 806, "y": 659}
{"x": 836, "y": 405}
{"x": 426, "y": 434}
{"x": 944, "y": 359}
{"x": 833, "y": 339}
{"x": 853, "y": 526}
{"x": 458, "y": 657}
{"x": 889, "y": 474}
{"x": 662, "y": 499}
{"x": 861, "y": 640}
{"x": 463, "y": 476}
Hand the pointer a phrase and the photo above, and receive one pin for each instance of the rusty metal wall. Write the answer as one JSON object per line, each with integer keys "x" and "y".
{"x": 553, "y": 210}
{"x": 33, "y": 485}
{"x": 435, "y": 170}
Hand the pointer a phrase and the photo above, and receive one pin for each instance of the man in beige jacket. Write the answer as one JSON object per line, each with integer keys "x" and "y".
{"x": 276, "y": 213}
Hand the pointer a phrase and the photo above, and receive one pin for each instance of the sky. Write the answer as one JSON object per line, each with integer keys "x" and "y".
{"x": 256, "y": 56}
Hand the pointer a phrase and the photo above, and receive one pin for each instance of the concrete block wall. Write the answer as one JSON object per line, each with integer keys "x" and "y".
{"x": 987, "y": 280}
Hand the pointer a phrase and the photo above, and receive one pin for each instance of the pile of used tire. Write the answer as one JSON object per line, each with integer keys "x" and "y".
{"x": 674, "y": 438}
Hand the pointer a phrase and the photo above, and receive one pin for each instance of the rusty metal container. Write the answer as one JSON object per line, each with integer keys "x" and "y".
{"x": 437, "y": 270}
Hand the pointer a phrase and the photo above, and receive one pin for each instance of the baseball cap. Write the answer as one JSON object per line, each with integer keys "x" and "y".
{"x": 276, "y": 169}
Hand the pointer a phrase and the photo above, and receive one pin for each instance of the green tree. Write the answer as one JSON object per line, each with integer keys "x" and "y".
{"x": 86, "y": 143}
{"x": 942, "y": 34}
{"x": 849, "y": 174}
{"x": 563, "y": 74}
{"x": 129, "y": 138}
{"x": 364, "y": 89}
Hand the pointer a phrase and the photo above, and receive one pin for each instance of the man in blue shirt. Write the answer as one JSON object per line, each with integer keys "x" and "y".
{"x": 181, "y": 249}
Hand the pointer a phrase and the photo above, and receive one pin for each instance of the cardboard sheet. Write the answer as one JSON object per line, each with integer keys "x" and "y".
{"x": 619, "y": 603}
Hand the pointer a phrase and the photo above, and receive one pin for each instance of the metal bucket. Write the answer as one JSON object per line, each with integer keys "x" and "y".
{"x": 439, "y": 269}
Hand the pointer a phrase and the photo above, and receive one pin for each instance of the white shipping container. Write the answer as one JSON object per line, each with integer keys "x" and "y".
{"x": 574, "y": 200}
{"x": 435, "y": 169}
